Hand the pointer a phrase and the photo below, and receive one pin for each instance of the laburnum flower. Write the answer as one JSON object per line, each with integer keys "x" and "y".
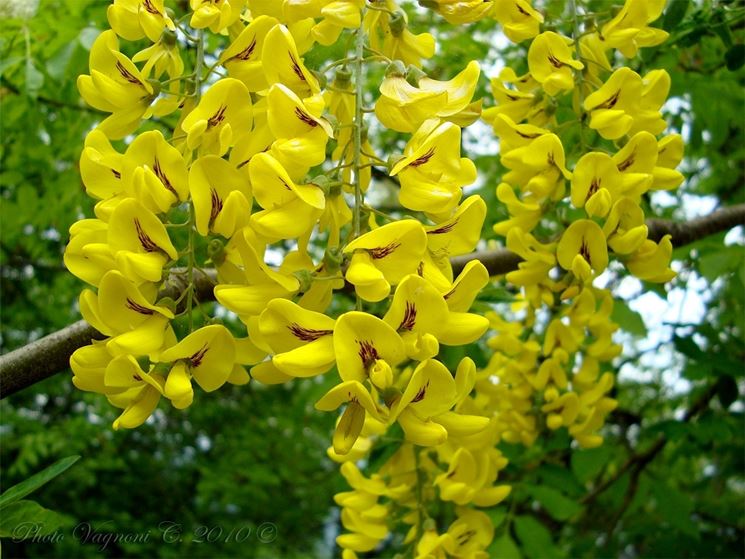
{"x": 466, "y": 287}
{"x": 538, "y": 258}
{"x": 115, "y": 86}
{"x": 523, "y": 101}
{"x": 256, "y": 283}
{"x": 282, "y": 64}
{"x": 583, "y": 250}
{"x": 455, "y": 235}
{"x": 301, "y": 134}
{"x": 139, "y": 241}
{"x": 290, "y": 210}
{"x": 518, "y": 18}
{"x": 100, "y": 166}
{"x": 421, "y": 316}
{"x": 512, "y": 135}
{"x": 636, "y": 161}
{"x": 153, "y": 172}
{"x": 359, "y": 403}
{"x": 163, "y": 57}
{"x": 126, "y": 313}
{"x": 431, "y": 172}
{"x": 337, "y": 16}
{"x": 652, "y": 260}
{"x": 669, "y": 156}
{"x": 136, "y": 391}
{"x": 460, "y": 11}
{"x": 470, "y": 477}
{"x": 301, "y": 340}
{"x": 222, "y": 116}
{"x": 384, "y": 256}
{"x": 215, "y": 14}
{"x": 401, "y": 44}
{"x": 207, "y": 355}
{"x": 524, "y": 213}
{"x": 550, "y": 62}
{"x": 624, "y": 227}
{"x": 134, "y": 19}
{"x": 362, "y": 515}
{"x": 221, "y": 196}
{"x": 596, "y": 183}
{"x": 626, "y": 104}
{"x": 366, "y": 347}
{"x": 87, "y": 255}
{"x": 538, "y": 167}
{"x": 242, "y": 58}
{"x": 628, "y": 30}
{"x": 423, "y": 409}
{"x": 404, "y": 107}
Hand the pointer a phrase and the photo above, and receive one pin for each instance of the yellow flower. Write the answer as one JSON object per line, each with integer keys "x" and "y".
{"x": 207, "y": 355}
{"x": 301, "y": 134}
{"x": 432, "y": 173}
{"x": 127, "y": 313}
{"x": 550, "y": 62}
{"x": 242, "y": 58}
{"x": 582, "y": 249}
{"x": 364, "y": 344}
{"x": 523, "y": 101}
{"x": 116, "y": 86}
{"x": 613, "y": 107}
{"x": 215, "y": 14}
{"x": 222, "y": 200}
{"x": 256, "y": 283}
{"x": 469, "y": 535}
{"x": 652, "y": 260}
{"x": 141, "y": 391}
{"x": 538, "y": 167}
{"x": 404, "y": 107}
{"x": 101, "y": 166}
{"x": 518, "y": 18}
{"x": 88, "y": 255}
{"x": 223, "y": 115}
{"x": 301, "y": 340}
{"x": 470, "y": 477}
{"x": 401, "y": 44}
{"x": 359, "y": 403}
{"x": 134, "y": 19}
{"x": 628, "y": 30}
{"x": 139, "y": 242}
{"x": 337, "y": 16}
{"x": 384, "y": 256}
{"x": 624, "y": 227}
{"x": 669, "y": 156}
{"x": 290, "y": 210}
{"x": 163, "y": 58}
{"x": 282, "y": 63}
{"x": 154, "y": 172}
{"x": 596, "y": 183}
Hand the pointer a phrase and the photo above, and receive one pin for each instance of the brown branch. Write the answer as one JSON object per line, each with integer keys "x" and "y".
{"x": 637, "y": 462}
{"x": 49, "y": 355}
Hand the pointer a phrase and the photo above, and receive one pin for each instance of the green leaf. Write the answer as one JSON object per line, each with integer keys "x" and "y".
{"x": 535, "y": 538}
{"x": 587, "y": 464}
{"x": 675, "y": 507}
{"x": 630, "y": 321}
{"x": 688, "y": 347}
{"x": 35, "y": 481}
{"x": 24, "y": 519}
{"x": 504, "y": 548}
{"x": 727, "y": 390}
{"x": 674, "y": 14}
{"x": 556, "y": 504}
{"x": 9, "y": 63}
{"x": 34, "y": 79}
{"x": 735, "y": 57}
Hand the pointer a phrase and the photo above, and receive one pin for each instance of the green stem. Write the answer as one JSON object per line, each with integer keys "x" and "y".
{"x": 579, "y": 74}
{"x": 358, "y": 121}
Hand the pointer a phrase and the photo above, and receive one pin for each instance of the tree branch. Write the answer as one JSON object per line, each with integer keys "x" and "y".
{"x": 49, "y": 355}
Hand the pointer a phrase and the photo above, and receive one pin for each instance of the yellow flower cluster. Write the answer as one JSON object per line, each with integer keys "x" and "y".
{"x": 262, "y": 157}
{"x": 559, "y": 363}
